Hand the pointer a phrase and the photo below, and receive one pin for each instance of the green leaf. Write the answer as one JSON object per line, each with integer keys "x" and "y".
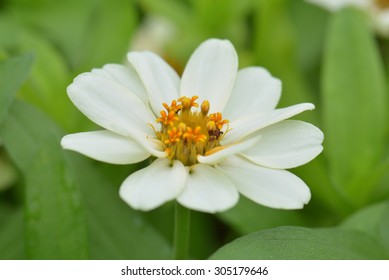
{"x": 7, "y": 172}
{"x": 310, "y": 23}
{"x": 241, "y": 218}
{"x": 110, "y": 26}
{"x": 382, "y": 187}
{"x": 55, "y": 227}
{"x": 229, "y": 22}
{"x": 315, "y": 175}
{"x": 372, "y": 220}
{"x": 98, "y": 33}
{"x": 302, "y": 243}
{"x": 115, "y": 230}
{"x": 90, "y": 33}
{"x": 13, "y": 72}
{"x": 276, "y": 49}
{"x": 354, "y": 104}
{"x": 24, "y": 131}
{"x": 46, "y": 88}
{"x": 49, "y": 77}
{"x": 11, "y": 234}
{"x": 54, "y": 219}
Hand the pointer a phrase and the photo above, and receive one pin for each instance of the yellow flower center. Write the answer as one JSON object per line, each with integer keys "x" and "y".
{"x": 186, "y": 132}
{"x": 382, "y": 4}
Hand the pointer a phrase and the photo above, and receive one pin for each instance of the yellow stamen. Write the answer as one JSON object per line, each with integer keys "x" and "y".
{"x": 211, "y": 125}
{"x": 186, "y": 133}
{"x": 205, "y": 107}
{"x": 168, "y": 119}
{"x": 188, "y": 103}
{"x": 218, "y": 119}
{"x": 174, "y": 136}
{"x": 173, "y": 107}
{"x": 181, "y": 127}
{"x": 194, "y": 135}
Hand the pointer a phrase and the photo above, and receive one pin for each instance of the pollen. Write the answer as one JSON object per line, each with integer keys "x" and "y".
{"x": 187, "y": 132}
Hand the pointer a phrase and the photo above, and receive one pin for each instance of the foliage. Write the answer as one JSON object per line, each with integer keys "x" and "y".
{"x": 56, "y": 204}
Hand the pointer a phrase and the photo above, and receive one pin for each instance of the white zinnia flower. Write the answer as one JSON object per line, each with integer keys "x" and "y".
{"x": 378, "y": 11}
{"x": 201, "y": 159}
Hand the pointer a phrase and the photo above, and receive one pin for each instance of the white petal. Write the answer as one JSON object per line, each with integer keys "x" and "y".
{"x": 334, "y": 5}
{"x": 225, "y": 151}
{"x": 126, "y": 76}
{"x": 159, "y": 79}
{"x": 286, "y": 144}
{"x": 110, "y": 105}
{"x": 148, "y": 188}
{"x": 269, "y": 187}
{"x": 113, "y": 107}
{"x": 244, "y": 127}
{"x": 210, "y": 73}
{"x": 153, "y": 146}
{"x": 255, "y": 91}
{"x": 208, "y": 190}
{"x": 105, "y": 146}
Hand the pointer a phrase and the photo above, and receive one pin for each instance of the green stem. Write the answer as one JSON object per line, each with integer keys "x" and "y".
{"x": 181, "y": 232}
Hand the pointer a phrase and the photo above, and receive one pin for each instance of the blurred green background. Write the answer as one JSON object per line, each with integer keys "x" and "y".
{"x": 57, "y": 204}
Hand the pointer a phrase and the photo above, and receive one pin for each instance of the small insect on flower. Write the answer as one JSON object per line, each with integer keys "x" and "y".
{"x": 212, "y": 134}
